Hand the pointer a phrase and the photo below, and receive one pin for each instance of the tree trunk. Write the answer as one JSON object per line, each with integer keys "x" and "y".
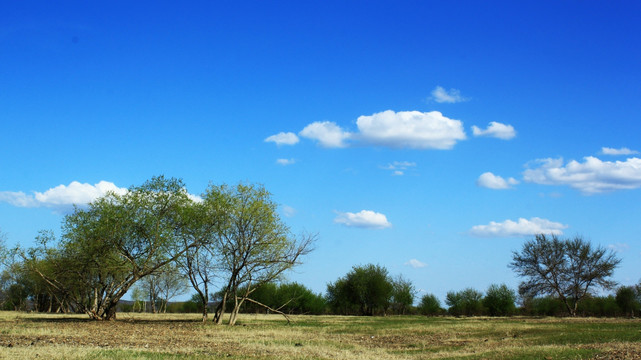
{"x": 205, "y": 313}
{"x": 220, "y": 310}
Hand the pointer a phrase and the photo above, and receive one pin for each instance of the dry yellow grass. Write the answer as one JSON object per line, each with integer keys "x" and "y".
{"x": 183, "y": 336}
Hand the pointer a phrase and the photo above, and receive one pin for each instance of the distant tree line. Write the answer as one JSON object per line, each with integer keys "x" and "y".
{"x": 155, "y": 242}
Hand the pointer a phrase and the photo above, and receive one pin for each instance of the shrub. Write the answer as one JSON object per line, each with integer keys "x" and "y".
{"x": 430, "y": 305}
{"x": 466, "y": 302}
{"x": 499, "y": 300}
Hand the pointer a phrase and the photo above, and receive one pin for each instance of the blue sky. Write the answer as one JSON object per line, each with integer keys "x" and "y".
{"x": 432, "y": 138}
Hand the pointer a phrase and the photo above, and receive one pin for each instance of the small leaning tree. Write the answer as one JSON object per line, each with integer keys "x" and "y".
{"x": 567, "y": 268}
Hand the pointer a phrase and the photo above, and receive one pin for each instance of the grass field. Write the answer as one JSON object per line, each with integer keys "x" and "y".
{"x": 175, "y": 336}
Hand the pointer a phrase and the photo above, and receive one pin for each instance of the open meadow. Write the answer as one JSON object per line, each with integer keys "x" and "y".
{"x": 183, "y": 336}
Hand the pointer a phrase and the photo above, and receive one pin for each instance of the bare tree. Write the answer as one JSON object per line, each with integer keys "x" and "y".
{"x": 199, "y": 265}
{"x": 569, "y": 269}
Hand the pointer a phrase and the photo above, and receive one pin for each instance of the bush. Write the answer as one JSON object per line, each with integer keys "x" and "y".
{"x": 365, "y": 290}
{"x": 543, "y": 306}
{"x": 466, "y": 302}
{"x": 627, "y": 300}
{"x": 499, "y": 300}
{"x": 430, "y": 305}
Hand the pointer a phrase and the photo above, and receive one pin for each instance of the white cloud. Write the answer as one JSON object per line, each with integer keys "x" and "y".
{"x": 491, "y": 181}
{"x": 497, "y": 130}
{"x": 416, "y": 264}
{"x": 522, "y": 227}
{"x": 285, "y": 162}
{"x": 398, "y": 168}
{"x": 619, "y": 247}
{"x": 288, "y": 211}
{"x": 363, "y": 219}
{"x": 440, "y": 95}
{"x": 590, "y": 177}
{"x": 621, "y": 151}
{"x": 410, "y": 129}
{"x": 283, "y": 138}
{"x": 327, "y": 133}
{"x": 61, "y": 198}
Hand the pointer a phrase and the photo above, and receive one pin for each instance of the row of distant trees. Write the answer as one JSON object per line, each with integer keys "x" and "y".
{"x": 369, "y": 290}
{"x": 153, "y": 239}
{"x": 149, "y": 238}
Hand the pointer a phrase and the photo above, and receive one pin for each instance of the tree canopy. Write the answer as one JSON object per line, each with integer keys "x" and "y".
{"x": 567, "y": 268}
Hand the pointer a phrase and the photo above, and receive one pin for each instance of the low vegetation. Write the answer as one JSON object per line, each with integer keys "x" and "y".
{"x": 184, "y": 336}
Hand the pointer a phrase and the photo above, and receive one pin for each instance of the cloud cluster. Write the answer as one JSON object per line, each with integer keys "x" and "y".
{"x": 440, "y": 95}
{"x": 403, "y": 129}
{"x": 61, "y": 198}
{"x": 285, "y": 162}
{"x": 496, "y": 130}
{"x": 521, "y": 227}
{"x": 621, "y": 151}
{"x": 364, "y": 219}
{"x": 619, "y": 247}
{"x": 288, "y": 211}
{"x": 491, "y": 181}
{"x": 410, "y": 129}
{"x": 327, "y": 133}
{"x": 398, "y": 168}
{"x": 416, "y": 264}
{"x": 283, "y": 138}
{"x": 590, "y": 177}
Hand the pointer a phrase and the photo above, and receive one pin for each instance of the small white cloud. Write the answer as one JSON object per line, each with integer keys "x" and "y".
{"x": 398, "y": 168}
{"x": 194, "y": 198}
{"x": 410, "y": 129}
{"x": 621, "y": 151}
{"x": 522, "y": 227}
{"x": 619, "y": 247}
{"x": 363, "y": 219}
{"x": 327, "y": 133}
{"x": 416, "y": 264}
{"x": 497, "y": 130}
{"x": 440, "y": 95}
{"x": 62, "y": 198}
{"x": 491, "y": 181}
{"x": 283, "y": 138}
{"x": 590, "y": 177}
{"x": 288, "y": 211}
{"x": 285, "y": 162}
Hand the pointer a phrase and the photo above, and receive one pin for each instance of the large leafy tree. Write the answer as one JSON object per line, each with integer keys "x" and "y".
{"x": 567, "y": 268}
{"x": 116, "y": 241}
{"x": 365, "y": 290}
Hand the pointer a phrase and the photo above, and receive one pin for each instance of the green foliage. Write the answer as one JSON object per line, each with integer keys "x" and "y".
{"x": 255, "y": 246}
{"x": 627, "y": 298}
{"x": 568, "y": 269}
{"x": 430, "y": 305}
{"x": 599, "y": 306}
{"x": 365, "y": 290}
{"x": 290, "y": 298}
{"x": 403, "y": 295}
{"x": 467, "y": 302}
{"x": 499, "y": 300}
{"x": 543, "y": 306}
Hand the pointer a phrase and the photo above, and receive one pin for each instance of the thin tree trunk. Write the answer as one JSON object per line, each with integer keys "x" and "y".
{"x": 220, "y": 310}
